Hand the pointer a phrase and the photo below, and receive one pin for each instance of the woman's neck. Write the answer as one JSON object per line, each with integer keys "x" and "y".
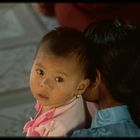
{"x": 108, "y": 102}
{"x": 106, "y": 99}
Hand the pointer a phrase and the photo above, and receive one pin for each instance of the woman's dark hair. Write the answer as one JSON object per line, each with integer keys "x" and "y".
{"x": 116, "y": 54}
{"x": 64, "y": 42}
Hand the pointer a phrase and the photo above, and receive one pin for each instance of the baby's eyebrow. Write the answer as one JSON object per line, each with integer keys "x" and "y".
{"x": 63, "y": 73}
{"x": 39, "y": 65}
{"x": 59, "y": 72}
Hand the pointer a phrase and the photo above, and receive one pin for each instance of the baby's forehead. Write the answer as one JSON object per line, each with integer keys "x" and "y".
{"x": 55, "y": 63}
{"x": 58, "y": 50}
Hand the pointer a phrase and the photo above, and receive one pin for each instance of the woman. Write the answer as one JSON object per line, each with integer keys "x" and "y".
{"x": 115, "y": 56}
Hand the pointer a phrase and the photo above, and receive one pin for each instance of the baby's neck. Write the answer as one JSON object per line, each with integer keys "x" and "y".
{"x": 47, "y": 108}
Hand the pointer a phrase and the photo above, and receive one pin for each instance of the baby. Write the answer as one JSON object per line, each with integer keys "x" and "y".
{"x": 59, "y": 76}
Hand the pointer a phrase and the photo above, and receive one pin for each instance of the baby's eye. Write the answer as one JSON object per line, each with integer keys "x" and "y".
{"x": 40, "y": 72}
{"x": 59, "y": 79}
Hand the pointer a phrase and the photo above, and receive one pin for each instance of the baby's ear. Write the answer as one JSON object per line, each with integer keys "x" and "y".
{"x": 83, "y": 86}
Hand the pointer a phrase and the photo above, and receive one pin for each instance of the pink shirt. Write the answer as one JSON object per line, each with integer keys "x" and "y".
{"x": 57, "y": 121}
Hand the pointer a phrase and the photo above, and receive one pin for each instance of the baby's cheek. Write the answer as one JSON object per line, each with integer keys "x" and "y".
{"x": 34, "y": 82}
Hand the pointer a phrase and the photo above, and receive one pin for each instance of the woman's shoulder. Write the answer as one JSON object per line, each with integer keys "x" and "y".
{"x": 122, "y": 129}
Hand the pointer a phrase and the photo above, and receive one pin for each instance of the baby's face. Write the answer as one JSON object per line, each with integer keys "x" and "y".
{"x": 54, "y": 80}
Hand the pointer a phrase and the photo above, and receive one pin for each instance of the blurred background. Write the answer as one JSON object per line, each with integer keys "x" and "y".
{"x": 21, "y": 27}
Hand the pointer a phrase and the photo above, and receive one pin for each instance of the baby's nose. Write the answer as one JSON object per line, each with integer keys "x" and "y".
{"x": 47, "y": 83}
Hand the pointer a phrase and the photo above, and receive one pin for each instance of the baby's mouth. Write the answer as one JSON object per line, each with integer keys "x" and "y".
{"x": 42, "y": 96}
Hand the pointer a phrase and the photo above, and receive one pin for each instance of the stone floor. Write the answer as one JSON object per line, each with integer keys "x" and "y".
{"x": 21, "y": 27}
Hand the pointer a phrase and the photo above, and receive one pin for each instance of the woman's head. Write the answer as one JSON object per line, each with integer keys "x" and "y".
{"x": 60, "y": 67}
{"x": 116, "y": 60}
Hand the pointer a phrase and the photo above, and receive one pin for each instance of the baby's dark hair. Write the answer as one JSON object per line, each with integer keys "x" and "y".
{"x": 65, "y": 42}
{"x": 116, "y": 54}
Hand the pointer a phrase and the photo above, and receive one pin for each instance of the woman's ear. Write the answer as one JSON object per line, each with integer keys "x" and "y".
{"x": 97, "y": 80}
{"x": 82, "y": 86}
{"x": 92, "y": 92}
